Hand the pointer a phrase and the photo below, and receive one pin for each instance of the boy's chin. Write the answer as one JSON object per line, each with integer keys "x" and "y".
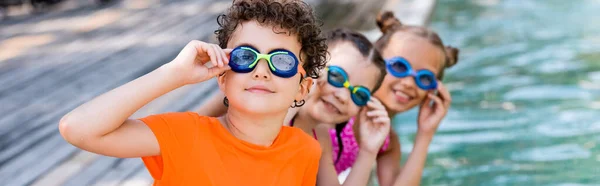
{"x": 260, "y": 107}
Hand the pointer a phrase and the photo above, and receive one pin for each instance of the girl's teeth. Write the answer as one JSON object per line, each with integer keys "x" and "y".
{"x": 398, "y": 93}
{"x": 331, "y": 107}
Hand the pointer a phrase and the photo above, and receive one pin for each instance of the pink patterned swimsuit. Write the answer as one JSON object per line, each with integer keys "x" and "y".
{"x": 350, "y": 145}
{"x": 350, "y": 151}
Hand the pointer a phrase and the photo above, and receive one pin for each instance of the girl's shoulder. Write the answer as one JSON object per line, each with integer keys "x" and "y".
{"x": 323, "y": 130}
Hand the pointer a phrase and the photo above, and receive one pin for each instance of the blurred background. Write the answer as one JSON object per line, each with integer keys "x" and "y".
{"x": 526, "y": 89}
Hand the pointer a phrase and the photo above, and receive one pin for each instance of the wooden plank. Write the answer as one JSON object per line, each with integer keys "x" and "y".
{"x": 114, "y": 176}
{"x": 11, "y": 27}
{"x": 57, "y": 155}
{"x": 59, "y": 175}
{"x": 32, "y": 75}
{"x": 28, "y": 139}
{"x": 141, "y": 178}
{"x": 20, "y": 25}
{"x": 66, "y": 34}
{"x": 131, "y": 24}
{"x": 18, "y": 171}
{"x": 33, "y": 82}
{"x": 90, "y": 174}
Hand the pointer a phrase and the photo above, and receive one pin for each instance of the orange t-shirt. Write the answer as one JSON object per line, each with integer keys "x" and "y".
{"x": 198, "y": 150}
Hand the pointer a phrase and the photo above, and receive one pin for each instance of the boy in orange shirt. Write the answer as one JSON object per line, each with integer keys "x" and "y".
{"x": 272, "y": 48}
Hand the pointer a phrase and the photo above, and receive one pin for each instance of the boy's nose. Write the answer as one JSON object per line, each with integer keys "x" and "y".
{"x": 261, "y": 71}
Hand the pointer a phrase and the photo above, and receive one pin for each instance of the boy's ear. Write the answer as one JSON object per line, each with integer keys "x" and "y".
{"x": 305, "y": 87}
{"x": 221, "y": 81}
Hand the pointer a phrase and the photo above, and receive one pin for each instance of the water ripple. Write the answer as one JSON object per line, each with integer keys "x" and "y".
{"x": 548, "y": 92}
{"x": 552, "y": 153}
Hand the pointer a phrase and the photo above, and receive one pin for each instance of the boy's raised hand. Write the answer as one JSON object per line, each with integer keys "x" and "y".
{"x": 190, "y": 63}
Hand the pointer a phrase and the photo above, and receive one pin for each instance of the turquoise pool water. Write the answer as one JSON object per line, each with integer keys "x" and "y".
{"x": 526, "y": 94}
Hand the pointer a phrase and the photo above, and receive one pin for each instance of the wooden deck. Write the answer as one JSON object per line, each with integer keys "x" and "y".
{"x": 51, "y": 63}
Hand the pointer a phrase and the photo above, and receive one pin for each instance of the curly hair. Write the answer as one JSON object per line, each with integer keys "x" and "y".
{"x": 294, "y": 16}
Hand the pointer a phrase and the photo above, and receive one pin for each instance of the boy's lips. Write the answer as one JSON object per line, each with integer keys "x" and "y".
{"x": 260, "y": 89}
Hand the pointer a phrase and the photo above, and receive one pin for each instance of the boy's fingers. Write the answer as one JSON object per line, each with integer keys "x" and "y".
{"x": 212, "y": 56}
{"x": 218, "y": 54}
{"x": 214, "y": 71}
{"x": 225, "y": 58}
{"x": 221, "y": 55}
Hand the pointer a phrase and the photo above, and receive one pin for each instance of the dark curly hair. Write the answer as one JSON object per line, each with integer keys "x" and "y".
{"x": 294, "y": 16}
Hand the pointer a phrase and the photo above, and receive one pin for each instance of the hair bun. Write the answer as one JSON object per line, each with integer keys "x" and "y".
{"x": 386, "y": 21}
{"x": 452, "y": 55}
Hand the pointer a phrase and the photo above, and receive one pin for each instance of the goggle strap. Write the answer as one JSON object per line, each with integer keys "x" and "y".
{"x": 271, "y": 65}
{"x": 253, "y": 63}
{"x": 248, "y": 48}
{"x": 280, "y": 52}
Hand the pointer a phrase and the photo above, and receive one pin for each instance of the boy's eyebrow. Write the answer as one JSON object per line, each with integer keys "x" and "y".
{"x": 247, "y": 44}
{"x": 254, "y": 48}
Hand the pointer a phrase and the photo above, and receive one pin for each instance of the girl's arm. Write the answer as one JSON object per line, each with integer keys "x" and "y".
{"x": 327, "y": 176}
{"x": 213, "y": 106}
{"x": 388, "y": 162}
{"x": 429, "y": 119}
{"x": 102, "y": 125}
{"x": 413, "y": 169}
